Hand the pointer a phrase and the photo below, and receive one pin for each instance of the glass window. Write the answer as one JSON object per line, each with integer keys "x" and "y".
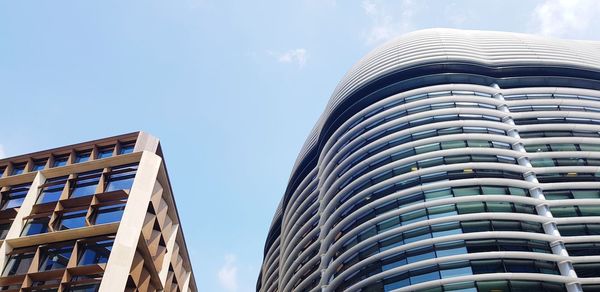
{"x": 85, "y": 184}
{"x": 18, "y": 264}
{"x": 419, "y": 254}
{"x": 60, "y": 160}
{"x": 121, "y": 178}
{"x": 39, "y": 164}
{"x": 542, "y": 162}
{"x": 127, "y": 148}
{"x": 470, "y": 207}
{"x": 492, "y": 190}
{"x": 95, "y": 252}
{"x": 586, "y": 194}
{"x": 478, "y": 143}
{"x": 557, "y": 195}
{"x": 455, "y": 269}
{"x": 72, "y": 219}
{"x": 499, "y": 207}
{"x": 453, "y": 144}
{"x": 589, "y": 210}
{"x": 83, "y": 156}
{"x": 465, "y": 191}
{"x": 4, "y": 227}
{"x": 589, "y": 147}
{"x": 105, "y": 152}
{"x": 36, "y": 226}
{"x": 18, "y": 168}
{"x": 85, "y": 288}
{"x": 14, "y": 197}
{"x": 52, "y": 190}
{"x": 563, "y": 147}
{"x": 438, "y": 194}
{"x": 567, "y": 211}
{"x": 493, "y": 286}
{"x": 53, "y": 258}
{"x": 517, "y": 191}
{"x": 424, "y": 275}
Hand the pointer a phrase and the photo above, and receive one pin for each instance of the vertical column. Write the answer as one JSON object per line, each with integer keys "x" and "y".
{"x": 558, "y": 247}
{"x": 126, "y": 240}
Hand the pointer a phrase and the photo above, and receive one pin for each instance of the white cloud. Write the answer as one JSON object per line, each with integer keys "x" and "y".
{"x": 228, "y": 274}
{"x": 298, "y": 56}
{"x": 564, "y": 17}
{"x": 2, "y": 152}
{"x": 384, "y": 25}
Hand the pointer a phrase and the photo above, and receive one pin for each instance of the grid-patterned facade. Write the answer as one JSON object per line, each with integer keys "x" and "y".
{"x": 449, "y": 160}
{"x": 95, "y": 216}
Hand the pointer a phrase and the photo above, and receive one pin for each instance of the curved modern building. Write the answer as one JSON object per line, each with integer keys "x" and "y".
{"x": 449, "y": 160}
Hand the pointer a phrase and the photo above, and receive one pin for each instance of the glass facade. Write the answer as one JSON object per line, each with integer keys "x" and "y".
{"x": 446, "y": 175}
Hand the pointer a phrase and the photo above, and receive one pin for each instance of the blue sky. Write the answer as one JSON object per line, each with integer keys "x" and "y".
{"x": 232, "y": 89}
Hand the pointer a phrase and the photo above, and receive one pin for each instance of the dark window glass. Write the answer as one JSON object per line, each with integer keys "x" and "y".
{"x": 39, "y": 164}
{"x": 36, "y": 226}
{"x": 127, "y": 148}
{"x": 105, "y": 152}
{"x": 18, "y": 168}
{"x": 52, "y": 189}
{"x": 14, "y": 197}
{"x": 82, "y": 156}
{"x": 583, "y": 249}
{"x": 85, "y": 288}
{"x": 18, "y": 264}
{"x": 55, "y": 257}
{"x": 95, "y": 252}
{"x": 108, "y": 214}
{"x": 121, "y": 178}
{"x": 72, "y": 219}
{"x": 587, "y": 270}
{"x": 4, "y": 230}
{"x": 60, "y": 160}
{"x": 85, "y": 184}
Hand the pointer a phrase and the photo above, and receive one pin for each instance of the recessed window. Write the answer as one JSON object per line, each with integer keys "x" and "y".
{"x": 2, "y": 169}
{"x": 85, "y": 184}
{"x": 53, "y": 258}
{"x": 85, "y": 287}
{"x": 121, "y": 178}
{"x": 14, "y": 197}
{"x": 18, "y": 168}
{"x": 39, "y": 164}
{"x": 4, "y": 227}
{"x": 52, "y": 190}
{"x": 105, "y": 152}
{"x": 127, "y": 148}
{"x": 72, "y": 219}
{"x": 109, "y": 214}
{"x": 47, "y": 285}
{"x": 95, "y": 252}
{"x": 83, "y": 156}
{"x": 60, "y": 160}
{"x": 36, "y": 226}
{"x": 18, "y": 264}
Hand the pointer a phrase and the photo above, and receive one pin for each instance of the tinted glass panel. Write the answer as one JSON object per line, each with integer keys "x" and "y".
{"x": 14, "y": 197}
{"x": 95, "y": 253}
{"x": 73, "y": 219}
{"x": 36, "y": 226}
{"x": 52, "y": 190}
{"x": 18, "y": 264}
{"x": 108, "y": 214}
{"x": 55, "y": 258}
